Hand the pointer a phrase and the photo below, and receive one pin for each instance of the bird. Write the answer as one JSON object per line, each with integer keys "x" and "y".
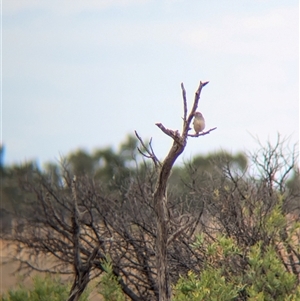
{"x": 199, "y": 122}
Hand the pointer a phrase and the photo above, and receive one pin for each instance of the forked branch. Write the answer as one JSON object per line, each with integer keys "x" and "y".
{"x": 187, "y": 119}
{"x": 149, "y": 150}
{"x": 160, "y": 200}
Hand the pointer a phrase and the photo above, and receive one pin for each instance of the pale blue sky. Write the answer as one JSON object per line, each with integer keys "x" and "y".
{"x": 84, "y": 74}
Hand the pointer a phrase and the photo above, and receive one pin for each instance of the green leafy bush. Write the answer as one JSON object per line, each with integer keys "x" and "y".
{"x": 44, "y": 289}
{"x": 263, "y": 278}
{"x": 109, "y": 286}
{"x": 211, "y": 285}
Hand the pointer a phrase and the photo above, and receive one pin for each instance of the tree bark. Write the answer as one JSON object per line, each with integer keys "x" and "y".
{"x": 160, "y": 194}
{"x": 160, "y": 201}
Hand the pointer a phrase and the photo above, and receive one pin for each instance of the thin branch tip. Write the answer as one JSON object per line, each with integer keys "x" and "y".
{"x": 204, "y": 83}
{"x": 202, "y": 133}
{"x": 148, "y": 153}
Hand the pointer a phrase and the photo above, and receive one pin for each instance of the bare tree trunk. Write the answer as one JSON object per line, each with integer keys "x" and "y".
{"x": 160, "y": 194}
{"x": 160, "y": 201}
{"x": 82, "y": 271}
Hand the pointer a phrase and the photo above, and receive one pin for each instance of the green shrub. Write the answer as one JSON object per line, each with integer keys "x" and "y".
{"x": 109, "y": 286}
{"x": 44, "y": 289}
{"x": 266, "y": 277}
{"x": 210, "y": 286}
{"x": 263, "y": 279}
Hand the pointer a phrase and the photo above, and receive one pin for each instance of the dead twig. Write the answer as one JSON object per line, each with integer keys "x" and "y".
{"x": 202, "y": 134}
{"x": 151, "y": 155}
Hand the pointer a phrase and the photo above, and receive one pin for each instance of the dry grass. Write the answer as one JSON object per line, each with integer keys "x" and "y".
{"x": 10, "y": 280}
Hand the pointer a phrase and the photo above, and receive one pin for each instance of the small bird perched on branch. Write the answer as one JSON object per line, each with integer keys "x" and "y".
{"x": 199, "y": 122}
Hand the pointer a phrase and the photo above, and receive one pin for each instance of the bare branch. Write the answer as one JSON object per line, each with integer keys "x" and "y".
{"x": 194, "y": 108}
{"x": 173, "y": 134}
{"x": 183, "y": 227}
{"x": 184, "y": 104}
{"x": 151, "y": 155}
{"x": 202, "y": 134}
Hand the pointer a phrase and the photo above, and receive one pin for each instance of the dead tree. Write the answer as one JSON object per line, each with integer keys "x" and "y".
{"x": 163, "y": 236}
{"x": 81, "y": 271}
{"x": 76, "y": 224}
